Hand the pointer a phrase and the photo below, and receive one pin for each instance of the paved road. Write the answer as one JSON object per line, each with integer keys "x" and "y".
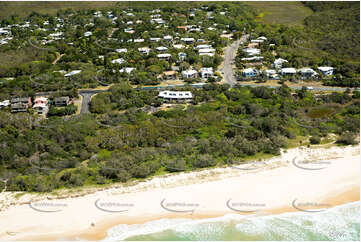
{"x": 229, "y": 55}
{"x": 87, "y": 94}
{"x": 331, "y": 89}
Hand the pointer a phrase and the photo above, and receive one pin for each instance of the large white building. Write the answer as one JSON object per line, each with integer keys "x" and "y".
{"x": 176, "y": 96}
{"x": 326, "y": 70}
{"x": 189, "y": 74}
{"x": 206, "y": 72}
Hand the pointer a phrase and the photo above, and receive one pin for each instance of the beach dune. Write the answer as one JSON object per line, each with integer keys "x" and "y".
{"x": 298, "y": 180}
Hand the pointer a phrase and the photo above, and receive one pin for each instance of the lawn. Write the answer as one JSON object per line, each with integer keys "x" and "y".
{"x": 290, "y": 13}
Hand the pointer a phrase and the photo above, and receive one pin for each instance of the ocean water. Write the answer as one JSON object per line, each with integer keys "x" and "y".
{"x": 338, "y": 223}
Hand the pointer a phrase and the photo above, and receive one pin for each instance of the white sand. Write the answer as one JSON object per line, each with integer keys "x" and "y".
{"x": 272, "y": 186}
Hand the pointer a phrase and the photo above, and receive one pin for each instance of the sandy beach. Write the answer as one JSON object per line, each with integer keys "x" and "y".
{"x": 300, "y": 179}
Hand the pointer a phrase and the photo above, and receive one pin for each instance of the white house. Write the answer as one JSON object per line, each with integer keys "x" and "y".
{"x": 165, "y": 56}
{"x": 206, "y": 72}
{"x": 253, "y": 58}
{"x": 279, "y": 62}
{"x": 249, "y": 72}
{"x": 122, "y": 50}
{"x": 162, "y": 49}
{"x": 118, "y": 61}
{"x": 138, "y": 40}
{"x": 257, "y": 41}
{"x": 157, "y": 20}
{"x": 129, "y": 30}
{"x": 72, "y": 73}
{"x": 307, "y": 72}
{"x": 4, "y": 31}
{"x": 175, "y": 96}
{"x": 87, "y": 34}
{"x": 4, "y": 103}
{"x": 198, "y": 47}
{"x": 252, "y": 51}
{"x": 178, "y": 46}
{"x": 187, "y": 40}
{"x": 144, "y": 50}
{"x": 271, "y": 74}
{"x": 326, "y": 70}
{"x": 206, "y": 50}
{"x": 189, "y": 74}
{"x": 154, "y": 39}
{"x": 127, "y": 70}
{"x": 168, "y": 38}
{"x": 182, "y": 56}
{"x": 288, "y": 71}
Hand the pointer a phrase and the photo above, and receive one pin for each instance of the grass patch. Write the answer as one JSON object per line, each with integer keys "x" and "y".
{"x": 320, "y": 112}
{"x": 19, "y": 195}
{"x": 289, "y": 13}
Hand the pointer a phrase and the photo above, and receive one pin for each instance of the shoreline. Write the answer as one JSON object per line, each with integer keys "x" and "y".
{"x": 275, "y": 184}
{"x": 101, "y": 232}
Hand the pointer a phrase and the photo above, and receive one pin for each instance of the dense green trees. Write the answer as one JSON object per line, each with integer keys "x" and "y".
{"x": 228, "y": 126}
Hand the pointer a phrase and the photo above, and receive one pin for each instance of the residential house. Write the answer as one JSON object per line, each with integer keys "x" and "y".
{"x": 288, "y": 71}
{"x": 4, "y": 104}
{"x": 123, "y": 50}
{"x": 252, "y": 51}
{"x": 198, "y": 47}
{"x": 326, "y": 70}
{"x": 178, "y": 46}
{"x": 129, "y": 30}
{"x": 169, "y": 75}
{"x": 307, "y": 72}
{"x": 208, "y": 51}
{"x": 182, "y": 28}
{"x": 168, "y": 38}
{"x": 257, "y": 41}
{"x": 154, "y": 39}
{"x": 20, "y": 104}
{"x": 162, "y": 49}
{"x": 41, "y": 105}
{"x": 61, "y": 101}
{"x": 175, "y": 96}
{"x": 249, "y": 72}
{"x": 206, "y": 72}
{"x": 118, "y": 61}
{"x": 253, "y": 58}
{"x": 189, "y": 74}
{"x": 127, "y": 70}
{"x": 72, "y": 73}
{"x": 252, "y": 45}
{"x": 165, "y": 56}
{"x": 279, "y": 62}
{"x": 87, "y": 34}
{"x": 182, "y": 56}
{"x": 188, "y": 40}
{"x": 271, "y": 74}
{"x": 144, "y": 50}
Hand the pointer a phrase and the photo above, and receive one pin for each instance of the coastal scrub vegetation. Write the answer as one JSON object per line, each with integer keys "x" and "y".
{"x": 133, "y": 140}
